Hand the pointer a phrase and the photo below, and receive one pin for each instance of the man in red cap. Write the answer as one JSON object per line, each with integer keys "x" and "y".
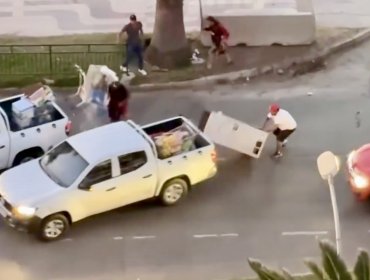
{"x": 281, "y": 123}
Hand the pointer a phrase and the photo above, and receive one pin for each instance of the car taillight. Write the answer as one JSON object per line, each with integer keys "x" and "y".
{"x": 214, "y": 156}
{"x": 68, "y": 127}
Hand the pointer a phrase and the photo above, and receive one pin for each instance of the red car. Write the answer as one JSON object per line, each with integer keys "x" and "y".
{"x": 358, "y": 164}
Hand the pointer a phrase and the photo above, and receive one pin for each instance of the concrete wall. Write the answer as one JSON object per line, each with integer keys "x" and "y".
{"x": 265, "y": 27}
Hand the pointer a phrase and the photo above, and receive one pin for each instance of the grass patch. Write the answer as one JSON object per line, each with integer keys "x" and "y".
{"x": 54, "y": 57}
{"x": 26, "y": 60}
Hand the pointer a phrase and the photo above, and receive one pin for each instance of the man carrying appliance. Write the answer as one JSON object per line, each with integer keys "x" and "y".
{"x": 281, "y": 123}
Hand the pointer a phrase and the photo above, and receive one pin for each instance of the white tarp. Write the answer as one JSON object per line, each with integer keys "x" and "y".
{"x": 233, "y": 134}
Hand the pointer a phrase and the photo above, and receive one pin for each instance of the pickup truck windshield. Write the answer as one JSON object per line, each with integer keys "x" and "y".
{"x": 63, "y": 164}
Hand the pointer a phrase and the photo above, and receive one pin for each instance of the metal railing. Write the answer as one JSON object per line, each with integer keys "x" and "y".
{"x": 30, "y": 60}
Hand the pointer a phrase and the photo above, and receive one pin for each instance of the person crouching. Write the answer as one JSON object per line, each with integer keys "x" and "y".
{"x": 281, "y": 123}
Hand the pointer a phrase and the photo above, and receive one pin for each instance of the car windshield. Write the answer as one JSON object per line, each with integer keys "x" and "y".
{"x": 63, "y": 164}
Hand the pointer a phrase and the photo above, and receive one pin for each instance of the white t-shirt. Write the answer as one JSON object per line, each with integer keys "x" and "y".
{"x": 283, "y": 120}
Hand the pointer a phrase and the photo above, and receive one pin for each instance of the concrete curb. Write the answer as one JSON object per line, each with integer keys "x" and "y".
{"x": 259, "y": 71}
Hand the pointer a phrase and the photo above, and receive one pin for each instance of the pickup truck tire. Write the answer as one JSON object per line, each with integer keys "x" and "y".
{"x": 25, "y": 156}
{"x": 53, "y": 227}
{"x": 173, "y": 191}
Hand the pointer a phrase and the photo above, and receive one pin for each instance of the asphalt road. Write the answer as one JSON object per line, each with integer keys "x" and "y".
{"x": 266, "y": 209}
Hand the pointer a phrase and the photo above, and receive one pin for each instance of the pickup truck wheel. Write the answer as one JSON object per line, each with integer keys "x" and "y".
{"x": 173, "y": 191}
{"x": 27, "y": 156}
{"x": 53, "y": 227}
{"x": 25, "y": 159}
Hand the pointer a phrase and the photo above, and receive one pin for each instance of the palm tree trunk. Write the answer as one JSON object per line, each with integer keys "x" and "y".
{"x": 169, "y": 47}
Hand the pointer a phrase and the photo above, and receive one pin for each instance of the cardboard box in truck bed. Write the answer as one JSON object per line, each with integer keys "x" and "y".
{"x": 233, "y": 134}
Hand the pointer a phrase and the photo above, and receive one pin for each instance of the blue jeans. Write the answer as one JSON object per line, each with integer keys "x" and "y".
{"x": 134, "y": 50}
{"x": 98, "y": 96}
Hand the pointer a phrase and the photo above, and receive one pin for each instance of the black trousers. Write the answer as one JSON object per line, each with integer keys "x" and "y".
{"x": 282, "y": 135}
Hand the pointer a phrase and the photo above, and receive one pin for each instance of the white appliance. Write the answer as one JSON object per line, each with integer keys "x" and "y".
{"x": 233, "y": 134}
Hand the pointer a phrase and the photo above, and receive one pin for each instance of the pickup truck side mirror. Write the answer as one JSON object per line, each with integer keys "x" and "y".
{"x": 85, "y": 186}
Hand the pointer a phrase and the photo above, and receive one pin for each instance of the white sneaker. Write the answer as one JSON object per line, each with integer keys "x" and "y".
{"x": 143, "y": 72}
{"x": 123, "y": 68}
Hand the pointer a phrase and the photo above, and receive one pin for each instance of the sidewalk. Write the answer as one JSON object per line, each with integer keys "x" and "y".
{"x": 250, "y": 62}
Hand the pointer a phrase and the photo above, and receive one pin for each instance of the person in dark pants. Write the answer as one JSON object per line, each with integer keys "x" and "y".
{"x": 118, "y": 102}
{"x": 134, "y": 46}
{"x": 281, "y": 123}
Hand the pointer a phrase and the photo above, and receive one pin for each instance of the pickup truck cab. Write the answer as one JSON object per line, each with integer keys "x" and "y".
{"x": 20, "y": 142}
{"x": 99, "y": 170}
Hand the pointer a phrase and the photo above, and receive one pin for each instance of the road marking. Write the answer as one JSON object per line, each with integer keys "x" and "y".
{"x": 292, "y": 233}
{"x": 205, "y": 235}
{"x": 214, "y": 235}
{"x": 118, "y": 238}
{"x": 229, "y": 235}
{"x": 67, "y": 239}
{"x": 144, "y": 237}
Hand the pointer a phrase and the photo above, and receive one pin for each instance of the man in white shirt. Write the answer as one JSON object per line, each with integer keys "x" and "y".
{"x": 281, "y": 123}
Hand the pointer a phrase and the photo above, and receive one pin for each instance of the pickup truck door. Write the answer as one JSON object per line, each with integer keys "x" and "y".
{"x": 233, "y": 134}
{"x": 4, "y": 143}
{"x": 99, "y": 191}
{"x": 138, "y": 177}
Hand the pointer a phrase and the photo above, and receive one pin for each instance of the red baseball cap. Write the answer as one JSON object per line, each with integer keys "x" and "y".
{"x": 274, "y": 108}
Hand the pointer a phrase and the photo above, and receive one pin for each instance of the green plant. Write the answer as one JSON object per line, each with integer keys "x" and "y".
{"x": 333, "y": 267}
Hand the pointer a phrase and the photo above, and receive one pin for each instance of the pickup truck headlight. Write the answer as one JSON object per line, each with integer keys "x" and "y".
{"x": 361, "y": 182}
{"x": 26, "y": 211}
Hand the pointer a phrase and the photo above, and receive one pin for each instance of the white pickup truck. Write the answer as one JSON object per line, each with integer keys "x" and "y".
{"x": 31, "y": 138}
{"x": 100, "y": 170}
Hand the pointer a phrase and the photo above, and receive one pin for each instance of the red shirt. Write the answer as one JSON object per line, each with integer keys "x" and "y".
{"x": 218, "y": 32}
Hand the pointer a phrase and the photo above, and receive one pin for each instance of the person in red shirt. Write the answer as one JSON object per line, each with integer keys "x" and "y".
{"x": 219, "y": 36}
{"x": 118, "y": 102}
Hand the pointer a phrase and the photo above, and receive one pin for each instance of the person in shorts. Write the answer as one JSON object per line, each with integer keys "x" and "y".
{"x": 281, "y": 123}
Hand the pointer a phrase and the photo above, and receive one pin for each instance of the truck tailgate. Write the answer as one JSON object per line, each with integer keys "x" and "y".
{"x": 233, "y": 134}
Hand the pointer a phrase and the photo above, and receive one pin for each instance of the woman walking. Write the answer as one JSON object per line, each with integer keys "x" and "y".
{"x": 219, "y": 36}
{"x": 118, "y": 102}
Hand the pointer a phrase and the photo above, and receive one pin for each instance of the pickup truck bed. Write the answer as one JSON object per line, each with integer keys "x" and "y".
{"x": 175, "y": 124}
{"x": 28, "y": 136}
{"x": 45, "y": 114}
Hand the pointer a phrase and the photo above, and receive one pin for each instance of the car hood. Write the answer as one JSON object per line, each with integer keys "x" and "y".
{"x": 26, "y": 184}
{"x": 361, "y": 160}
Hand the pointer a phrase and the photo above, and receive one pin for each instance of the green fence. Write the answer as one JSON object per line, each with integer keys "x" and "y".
{"x": 55, "y": 60}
